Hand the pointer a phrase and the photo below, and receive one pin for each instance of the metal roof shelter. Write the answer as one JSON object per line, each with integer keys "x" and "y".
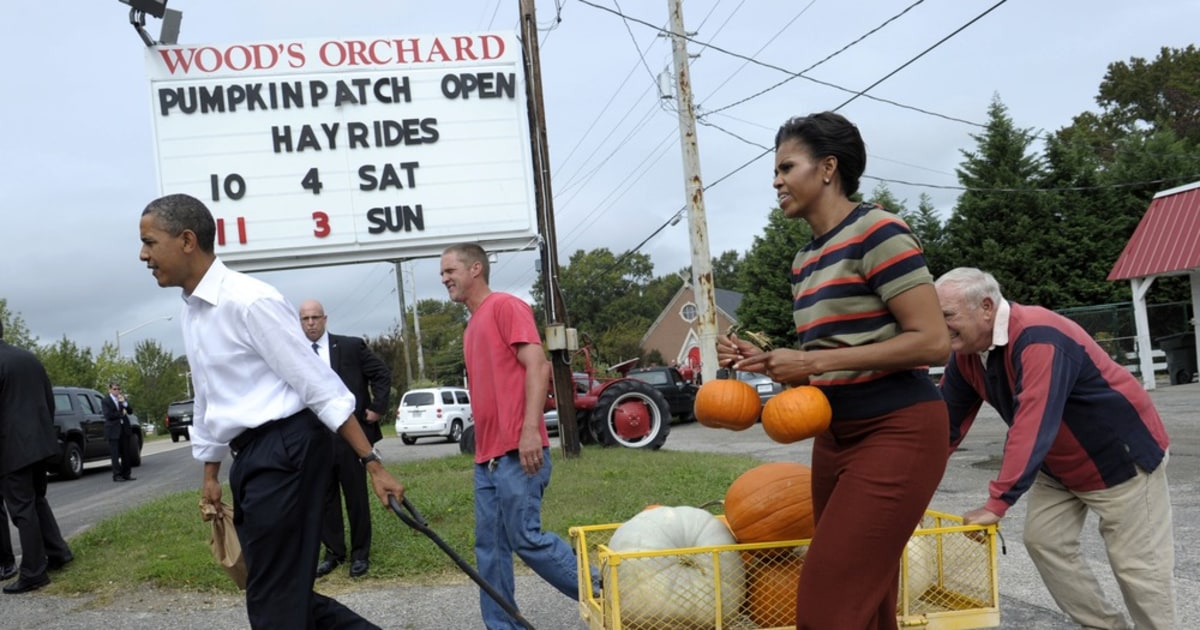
{"x": 1165, "y": 243}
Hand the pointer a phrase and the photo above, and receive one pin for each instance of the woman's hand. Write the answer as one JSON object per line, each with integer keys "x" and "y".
{"x": 790, "y": 367}
{"x": 730, "y": 350}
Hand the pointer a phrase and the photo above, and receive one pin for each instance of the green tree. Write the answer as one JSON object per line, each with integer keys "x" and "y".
{"x": 608, "y": 297}
{"x": 1160, "y": 94}
{"x": 1107, "y": 165}
{"x": 882, "y": 196}
{"x": 442, "y": 326}
{"x": 68, "y": 364}
{"x": 931, "y": 233}
{"x": 16, "y": 333}
{"x": 1000, "y": 223}
{"x": 159, "y": 380}
{"x": 767, "y": 309}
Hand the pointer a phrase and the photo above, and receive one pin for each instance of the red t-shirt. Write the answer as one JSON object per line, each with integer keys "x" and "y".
{"x": 495, "y": 378}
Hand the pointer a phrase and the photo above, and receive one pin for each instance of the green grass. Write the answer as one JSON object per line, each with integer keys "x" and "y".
{"x": 164, "y": 544}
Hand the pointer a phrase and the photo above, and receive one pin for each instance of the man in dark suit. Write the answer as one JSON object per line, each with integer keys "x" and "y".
{"x": 370, "y": 380}
{"x": 27, "y": 439}
{"x": 116, "y": 430}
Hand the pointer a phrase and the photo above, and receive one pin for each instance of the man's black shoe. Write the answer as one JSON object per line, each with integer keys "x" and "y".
{"x": 9, "y": 571}
{"x": 55, "y": 564}
{"x": 359, "y": 568}
{"x": 128, "y": 478}
{"x": 327, "y": 566}
{"x": 24, "y": 585}
{"x": 120, "y": 479}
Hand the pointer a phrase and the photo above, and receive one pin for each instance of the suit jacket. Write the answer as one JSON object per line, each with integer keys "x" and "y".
{"x": 366, "y": 376}
{"x": 116, "y": 419}
{"x": 27, "y": 433}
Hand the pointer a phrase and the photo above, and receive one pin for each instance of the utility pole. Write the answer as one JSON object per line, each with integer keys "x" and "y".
{"x": 417, "y": 327}
{"x": 560, "y": 352}
{"x": 403, "y": 323}
{"x": 702, "y": 278}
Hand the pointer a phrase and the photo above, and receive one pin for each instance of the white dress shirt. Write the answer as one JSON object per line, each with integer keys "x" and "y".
{"x": 999, "y": 330}
{"x": 251, "y": 362}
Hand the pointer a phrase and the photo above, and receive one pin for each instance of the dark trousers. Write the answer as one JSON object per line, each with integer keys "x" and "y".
{"x": 871, "y": 482}
{"x": 278, "y": 481}
{"x": 350, "y": 481}
{"x": 7, "y": 559}
{"x": 118, "y": 452}
{"x": 25, "y": 495}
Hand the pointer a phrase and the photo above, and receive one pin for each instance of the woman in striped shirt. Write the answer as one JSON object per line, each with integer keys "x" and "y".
{"x": 868, "y": 322}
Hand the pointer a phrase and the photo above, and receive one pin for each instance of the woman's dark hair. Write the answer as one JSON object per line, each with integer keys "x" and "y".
{"x": 829, "y": 134}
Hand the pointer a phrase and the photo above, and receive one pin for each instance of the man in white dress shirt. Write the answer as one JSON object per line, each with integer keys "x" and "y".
{"x": 262, "y": 395}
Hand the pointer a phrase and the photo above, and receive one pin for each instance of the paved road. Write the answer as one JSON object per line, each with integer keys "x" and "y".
{"x": 1024, "y": 601}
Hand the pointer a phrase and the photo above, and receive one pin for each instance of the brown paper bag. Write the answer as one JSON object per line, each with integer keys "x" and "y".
{"x": 224, "y": 542}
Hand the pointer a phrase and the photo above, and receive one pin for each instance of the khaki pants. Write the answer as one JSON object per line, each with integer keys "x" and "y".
{"x": 1135, "y": 523}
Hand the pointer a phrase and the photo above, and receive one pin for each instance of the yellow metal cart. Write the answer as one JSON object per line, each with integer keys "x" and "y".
{"x": 947, "y": 581}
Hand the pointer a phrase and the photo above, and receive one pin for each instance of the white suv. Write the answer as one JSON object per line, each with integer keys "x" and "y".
{"x": 440, "y": 412}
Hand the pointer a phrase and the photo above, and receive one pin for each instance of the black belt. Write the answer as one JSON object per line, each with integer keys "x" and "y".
{"x": 249, "y": 435}
{"x": 244, "y": 438}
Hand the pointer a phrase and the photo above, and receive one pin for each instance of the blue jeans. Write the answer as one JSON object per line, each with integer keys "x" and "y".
{"x": 508, "y": 519}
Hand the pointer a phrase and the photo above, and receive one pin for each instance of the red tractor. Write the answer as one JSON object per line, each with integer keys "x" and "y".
{"x": 618, "y": 411}
{"x": 613, "y": 412}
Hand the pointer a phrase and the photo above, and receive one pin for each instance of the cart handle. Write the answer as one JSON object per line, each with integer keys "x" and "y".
{"x": 414, "y": 520}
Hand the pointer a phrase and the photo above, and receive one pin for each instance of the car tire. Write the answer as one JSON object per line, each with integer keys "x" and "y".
{"x": 466, "y": 444}
{"x": 72, "y": 462}
{"x": 174, "y": 436}
{"x": 456, "y": 431}
{"x": 408, "y": 440}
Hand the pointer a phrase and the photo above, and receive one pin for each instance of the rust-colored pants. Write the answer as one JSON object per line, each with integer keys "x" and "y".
{"x": 871, "y": 482}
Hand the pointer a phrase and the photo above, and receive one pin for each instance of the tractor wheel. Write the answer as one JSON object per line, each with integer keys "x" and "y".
{"x": 632, "y": 414}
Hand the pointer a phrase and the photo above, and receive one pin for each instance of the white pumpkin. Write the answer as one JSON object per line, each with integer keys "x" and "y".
{"x": 676, "y": 590}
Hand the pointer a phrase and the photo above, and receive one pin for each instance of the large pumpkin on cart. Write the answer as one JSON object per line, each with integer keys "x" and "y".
{"x": 771, "y": 503}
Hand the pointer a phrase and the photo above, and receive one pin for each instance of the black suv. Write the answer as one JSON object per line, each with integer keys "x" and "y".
{"x": 679, "y": 392}
{"x": 79, "y": 419}
{"x": 178, "y": 419}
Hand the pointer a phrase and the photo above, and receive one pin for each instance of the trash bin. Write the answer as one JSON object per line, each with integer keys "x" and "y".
{"x": 1180, "y": 349}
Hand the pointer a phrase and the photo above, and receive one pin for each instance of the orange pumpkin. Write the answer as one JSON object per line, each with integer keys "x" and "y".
{"x": 727, "y": 403}
{"x": 796, "y": 414}
{"x": 770, "y": 503}
{"x": 771, "y": 600}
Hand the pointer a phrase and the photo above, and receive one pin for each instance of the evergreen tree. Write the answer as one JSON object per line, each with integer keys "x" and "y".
{"x": 1000, "y": 224}
{"x": 882, "y": 196}
{"x": 929, "y": 231}
{"x": 767, "y": 308}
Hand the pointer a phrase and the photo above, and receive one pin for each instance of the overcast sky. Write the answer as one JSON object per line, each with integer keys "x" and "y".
{"x": 78, "y": 160}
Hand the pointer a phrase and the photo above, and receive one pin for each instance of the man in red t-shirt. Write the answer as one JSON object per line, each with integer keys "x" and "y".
{"x": 507, "y": 375}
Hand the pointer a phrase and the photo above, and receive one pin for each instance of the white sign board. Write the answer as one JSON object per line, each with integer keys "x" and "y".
{"x": 317, "y": 152}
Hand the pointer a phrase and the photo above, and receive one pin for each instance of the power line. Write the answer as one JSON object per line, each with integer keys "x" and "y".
{"x": 785, "y": 70}
{"x": 758, "y": 52}
{"x": 1116, "y": 186}
{"x": 768, "y": 150}
{"x": 641, "y": 55}
{"x": 921, "y": 54}
{"x": 827, "y": 58}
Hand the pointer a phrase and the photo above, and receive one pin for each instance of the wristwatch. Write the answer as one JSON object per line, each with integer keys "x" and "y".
{"x": 373, "y": 456}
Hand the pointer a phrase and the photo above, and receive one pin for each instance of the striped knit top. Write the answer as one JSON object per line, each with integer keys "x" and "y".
{"x": 841, "y": 283}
